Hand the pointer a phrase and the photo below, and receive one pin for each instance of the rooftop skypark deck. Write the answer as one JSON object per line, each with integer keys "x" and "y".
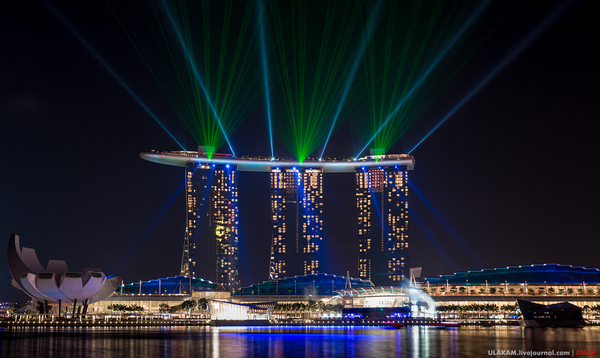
{"x": 250, "y": 164}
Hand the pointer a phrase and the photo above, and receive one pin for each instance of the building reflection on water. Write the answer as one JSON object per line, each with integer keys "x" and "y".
{"x": 150, "y": 342}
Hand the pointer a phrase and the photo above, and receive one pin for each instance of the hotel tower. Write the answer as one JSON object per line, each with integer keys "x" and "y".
{"x": 211, "y": 241}
{"x": 382, "y": 203}
{"x": 210, "y": 249}
{"x": 297, "y": 221}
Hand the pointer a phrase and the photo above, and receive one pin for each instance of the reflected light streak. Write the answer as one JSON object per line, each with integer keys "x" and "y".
{"x": 138, "y": 243}
{"x": 94, "y": 53}
{"x": 265, "y": 75}
{"x": 454, "y": 235}
{"x": 338, "y": 207}
{"x": 193, "y": 65}
{"x": 377, "y": 209}
{"x": 359, "y": 55}
{"x": 456, "y": 37}
{"x": 432, "y": 239}
{"x": 533, "y": 35}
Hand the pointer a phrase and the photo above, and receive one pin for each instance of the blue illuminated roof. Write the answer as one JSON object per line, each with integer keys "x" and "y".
{"x": 319, "y": 283}
{"x": 169, "y": 285}
{"x": 532, "y": 274}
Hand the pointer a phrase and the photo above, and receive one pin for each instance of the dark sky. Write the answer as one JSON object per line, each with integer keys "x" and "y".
{"x": 513, "y": 173}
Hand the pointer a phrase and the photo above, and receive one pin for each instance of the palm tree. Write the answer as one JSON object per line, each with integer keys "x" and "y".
{"x": 541, "y": 290}
{"x": 590, "y": 291}
{"x": 203, "y": 304}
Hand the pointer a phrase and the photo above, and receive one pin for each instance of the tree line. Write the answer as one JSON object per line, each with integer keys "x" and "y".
{"x": 125, "y": 308}
{"x": 187, "y": 305}
{"x": 475, "y": 307}
{"x": 308, "y": 307}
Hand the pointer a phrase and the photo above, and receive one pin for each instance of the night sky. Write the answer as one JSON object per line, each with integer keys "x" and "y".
{"x": 513, "y": 174}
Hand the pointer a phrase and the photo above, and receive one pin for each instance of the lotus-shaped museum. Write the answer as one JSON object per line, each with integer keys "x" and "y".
{"x": 55, "y": 283}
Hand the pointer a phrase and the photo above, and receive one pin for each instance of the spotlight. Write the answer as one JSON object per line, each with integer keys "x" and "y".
{"x": 227, "y": 166}
{"x": 294, "y": 168}
{"x": 214, "y": 165}
{"x": 272, "y": 158}
{"x": 354, "y": 159}
{"x": 320, "y": 159}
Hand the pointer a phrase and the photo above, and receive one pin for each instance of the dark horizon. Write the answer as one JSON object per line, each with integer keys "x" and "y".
{"x": 512, "y": 172}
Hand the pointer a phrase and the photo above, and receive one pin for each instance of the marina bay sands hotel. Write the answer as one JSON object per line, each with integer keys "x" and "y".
{"x": 211, "y": 243}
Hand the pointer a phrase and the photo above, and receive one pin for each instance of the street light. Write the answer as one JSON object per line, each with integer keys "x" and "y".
{"x": 487, "y": 290}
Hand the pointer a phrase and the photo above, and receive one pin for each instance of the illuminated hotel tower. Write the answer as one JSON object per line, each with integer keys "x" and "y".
{"x": 382, "y": 202}
{"x": 211, "y": 236}
{"x": 297, "y": 219}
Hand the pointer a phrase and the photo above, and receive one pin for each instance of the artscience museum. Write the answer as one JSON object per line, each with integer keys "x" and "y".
{"x": 56, "y": 285}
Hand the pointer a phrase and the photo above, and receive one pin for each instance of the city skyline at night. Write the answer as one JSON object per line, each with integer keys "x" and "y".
{"x": 211, "y": 249}
{"x": 516, "y": 93}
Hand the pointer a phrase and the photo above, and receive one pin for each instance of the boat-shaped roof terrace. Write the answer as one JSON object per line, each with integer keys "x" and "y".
{"x": 263, "y": 164}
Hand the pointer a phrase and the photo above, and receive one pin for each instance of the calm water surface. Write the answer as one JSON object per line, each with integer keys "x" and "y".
{"x": 290, "y": 342}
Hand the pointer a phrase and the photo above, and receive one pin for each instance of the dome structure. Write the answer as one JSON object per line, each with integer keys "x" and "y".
{"x": 56, "y": 283}
{"x": 532, "y": 274}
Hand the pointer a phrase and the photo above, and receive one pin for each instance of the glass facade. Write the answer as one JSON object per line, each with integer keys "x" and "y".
{"x": 221, "y": 310}
{"x": 382, "y": 205}
{"x": 167, "y": 286}
{"x": 211, "y": 237}
{"x": 297, "y": 221}
{"x": 313, "y": 284}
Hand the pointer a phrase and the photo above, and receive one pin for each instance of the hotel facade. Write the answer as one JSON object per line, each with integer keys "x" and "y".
{"x": 297, "y": 221}
{"x": 382, "y": 206}
{"x": 211, "y": 242}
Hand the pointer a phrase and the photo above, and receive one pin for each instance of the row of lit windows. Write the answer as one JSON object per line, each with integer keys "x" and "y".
{"x": 311, "y": 267}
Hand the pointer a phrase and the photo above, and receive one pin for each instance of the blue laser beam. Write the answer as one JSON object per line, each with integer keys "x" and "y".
{"x": 425, "y": 74}
{"x": 533, "y": 35}
{"x": 265, "y": 77}
{"x": 195, "y": 69}
{"x": 445, "y": 224}
{"x": 384, "y": 230}
{"x": 421, "y": 224}
{"x": 138, "y": 243}
{"x": 432, "y": 239}
{"x": 338, "y": 207}
{"x": 99, "y": 58}
{"x": 359, "y": 54}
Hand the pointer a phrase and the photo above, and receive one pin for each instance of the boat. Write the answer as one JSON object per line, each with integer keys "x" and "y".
{"x": 563, "y": 314}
